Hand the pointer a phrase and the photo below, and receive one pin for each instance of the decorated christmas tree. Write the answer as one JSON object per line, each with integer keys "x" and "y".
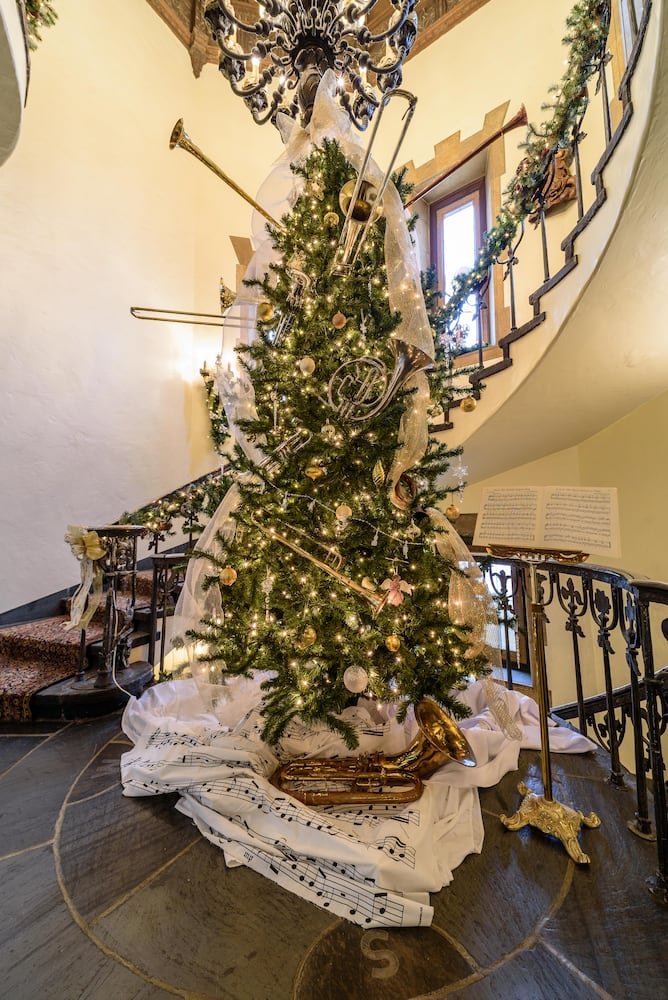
{"x": 330, "y": 567}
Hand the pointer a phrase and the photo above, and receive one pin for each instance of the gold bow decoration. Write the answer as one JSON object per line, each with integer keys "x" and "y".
{"x": 88, "y": 549}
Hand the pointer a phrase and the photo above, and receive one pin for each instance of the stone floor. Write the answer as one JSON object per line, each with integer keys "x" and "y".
{"x": 108, "y": 898}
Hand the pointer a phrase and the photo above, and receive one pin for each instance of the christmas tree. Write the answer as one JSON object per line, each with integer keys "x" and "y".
{"x": 332, "y": 567}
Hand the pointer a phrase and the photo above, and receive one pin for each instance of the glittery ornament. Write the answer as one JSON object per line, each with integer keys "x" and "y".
{"x": 468, "y": 404}
{"x": 343, "y": 512}
{"x": 328, "y": 431}
{"x": 228, "y": 576}
{"x": 306, "y": 366}
{"x": 339, "y": 321}
{"x": 265, "y": 311}
{"x": 308, "y": 637}
{"x": 331, "y": 219}
{"x": 355, "y": 679}
{"x": 393, "y": 642}
{"x": 452, "y": 512}
{"x": 314, "y": 472}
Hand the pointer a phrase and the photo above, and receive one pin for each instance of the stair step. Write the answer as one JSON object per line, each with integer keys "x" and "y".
{"x": 46, "y": 640}
{"x": 21, "y": 678}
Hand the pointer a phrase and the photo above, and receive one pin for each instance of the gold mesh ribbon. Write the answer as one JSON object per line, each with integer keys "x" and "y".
{"x": 88, "y": 549}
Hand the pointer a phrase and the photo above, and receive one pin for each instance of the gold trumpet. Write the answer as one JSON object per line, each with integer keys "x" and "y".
{"x": 180, "y": 138}
{"x": 369, "y": 778}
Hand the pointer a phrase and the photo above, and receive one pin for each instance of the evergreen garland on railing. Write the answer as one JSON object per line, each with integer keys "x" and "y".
{"x": 588, "y": 24}
{"x": 39, "y": 14}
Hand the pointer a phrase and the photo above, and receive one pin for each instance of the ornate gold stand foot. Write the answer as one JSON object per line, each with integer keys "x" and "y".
{"x": 553, "y": 818}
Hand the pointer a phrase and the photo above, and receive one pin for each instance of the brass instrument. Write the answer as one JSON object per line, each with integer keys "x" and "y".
{"x": 359, "y": 389}
{"x": 369, "y": 778}
{"x": 376, "y": 600}
{"x": 360, "y": 199}
{"x": 180, "y": 137}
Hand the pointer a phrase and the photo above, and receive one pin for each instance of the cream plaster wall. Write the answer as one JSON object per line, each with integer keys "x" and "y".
{"x": 100, "y": 412}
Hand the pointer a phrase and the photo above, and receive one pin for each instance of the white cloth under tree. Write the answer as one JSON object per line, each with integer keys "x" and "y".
{"x": 374, "y": 865}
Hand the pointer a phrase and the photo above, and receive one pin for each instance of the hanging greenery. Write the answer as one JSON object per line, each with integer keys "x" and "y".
{"x": 587, "y": 32}
{"x": 39, "y": 14}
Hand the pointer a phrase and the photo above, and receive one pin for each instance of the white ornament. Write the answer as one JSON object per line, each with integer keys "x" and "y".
{"x": 356, "y": 679}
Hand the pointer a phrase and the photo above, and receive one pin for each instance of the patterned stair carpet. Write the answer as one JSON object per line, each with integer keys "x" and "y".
{"x": 33, "y": 656}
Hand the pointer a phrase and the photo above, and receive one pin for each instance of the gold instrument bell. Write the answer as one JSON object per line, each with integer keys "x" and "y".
{"x": 378, "y": 778}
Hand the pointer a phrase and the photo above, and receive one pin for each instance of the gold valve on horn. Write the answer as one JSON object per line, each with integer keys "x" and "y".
{"x": 180, "y": 138}
{"x": 377, "y": 777}
{"x": 361, "y": 200}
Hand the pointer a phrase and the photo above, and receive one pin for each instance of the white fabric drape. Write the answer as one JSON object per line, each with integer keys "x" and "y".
{"x": 373, "y": 865}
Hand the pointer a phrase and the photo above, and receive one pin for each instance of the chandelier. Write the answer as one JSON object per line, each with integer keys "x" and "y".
{"x": 275, "y": 62}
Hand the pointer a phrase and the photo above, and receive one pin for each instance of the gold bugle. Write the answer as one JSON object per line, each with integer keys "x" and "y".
{"x": 180, "y": 137}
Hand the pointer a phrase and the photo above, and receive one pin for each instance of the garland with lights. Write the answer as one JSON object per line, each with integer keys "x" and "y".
{"x": 588, "y": 25}
{"x": 39, "y": 14}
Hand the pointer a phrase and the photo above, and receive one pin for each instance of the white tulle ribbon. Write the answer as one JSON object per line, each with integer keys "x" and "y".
{"x": 470, "y": 605}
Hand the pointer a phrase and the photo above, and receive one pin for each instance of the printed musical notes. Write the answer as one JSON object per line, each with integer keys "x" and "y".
{"x": 550, "y": 517}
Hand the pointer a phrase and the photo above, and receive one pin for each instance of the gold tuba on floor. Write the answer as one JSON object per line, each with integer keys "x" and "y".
{"x": 379, "y": 778}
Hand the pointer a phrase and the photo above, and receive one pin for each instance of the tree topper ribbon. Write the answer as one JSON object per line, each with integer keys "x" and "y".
{"x": 88, "y": 549}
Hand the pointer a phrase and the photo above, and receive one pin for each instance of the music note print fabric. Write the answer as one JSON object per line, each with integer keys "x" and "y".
{"x": 374, "y": 865}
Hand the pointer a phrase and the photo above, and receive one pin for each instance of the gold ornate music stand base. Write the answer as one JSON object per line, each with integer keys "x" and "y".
{"x": 554, "y": 818}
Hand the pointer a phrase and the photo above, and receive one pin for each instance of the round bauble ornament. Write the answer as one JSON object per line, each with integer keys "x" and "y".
{"x": 452, "y": 512}
{"x": 308, "y": 637}
{"x": 265, "y": 311}
{"x": 306, "y": 366}
{"x": 343, "y": 512}
{"x": 339, "y": 321}
{"x": 392, "y": 642}
{"x": 328, "y": 431}
{"x": 366, "y": 204}
{"x": 468, "y": 404}
{"x": 355, "y": 679}
{"x": 314, "y": 472}
{"x": 331, "y": 219}
{"x": 228, "y": 576}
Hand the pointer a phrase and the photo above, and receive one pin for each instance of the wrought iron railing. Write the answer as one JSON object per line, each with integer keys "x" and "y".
{"x": 606, "y": 650}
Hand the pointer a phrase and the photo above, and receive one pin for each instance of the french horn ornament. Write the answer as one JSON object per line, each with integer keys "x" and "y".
{"x": 379, "y": 778}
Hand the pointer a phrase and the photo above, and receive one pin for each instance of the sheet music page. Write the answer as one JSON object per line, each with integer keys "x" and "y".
{"x": 583, "y": 518}
{"x": 509, "y": 516}
{"x": 550, "y": 517}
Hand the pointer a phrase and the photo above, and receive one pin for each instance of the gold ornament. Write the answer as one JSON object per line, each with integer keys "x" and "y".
{"x": 343, "y": 512}
{"x": 378, "y": 474}
{"x": 308, "y": 637}
{"x": 228, "y": 576}
{"x": 306, "y": 366}
{"x": 331, "y": 219}
{"x": 265, "y": 311}
{"x": 366, "y": 204}
{"x": 469, "y": 404}
{"x": 339, "y": 321}
{"x": 315, "y": 472}
{"x": 452, "y": 512}
{"x": 393, "y": 642}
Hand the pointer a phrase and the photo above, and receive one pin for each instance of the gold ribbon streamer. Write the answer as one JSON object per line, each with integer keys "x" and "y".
{"x": 88, "y": 549}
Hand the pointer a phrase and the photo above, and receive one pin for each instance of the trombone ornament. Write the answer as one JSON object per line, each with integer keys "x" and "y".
{"x": 378, "y": 778}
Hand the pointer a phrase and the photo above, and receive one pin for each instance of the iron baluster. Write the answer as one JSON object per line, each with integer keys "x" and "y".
{"x": 658, "y": 885}
{"x": 628, "y": 625}
{"x": 575, "y": 605}
{"x": 605, "y": 616}
{"x": 509, "y": 273}
{"x": 498, "y": 581}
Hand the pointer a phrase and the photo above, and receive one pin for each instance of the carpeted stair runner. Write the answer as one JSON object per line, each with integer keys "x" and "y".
{"x": 35, "y": 655}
